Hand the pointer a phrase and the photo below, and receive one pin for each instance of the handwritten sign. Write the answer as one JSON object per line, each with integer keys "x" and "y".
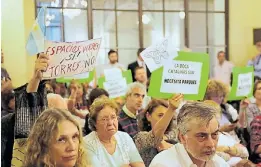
{"x": 116, "y": 88}
{"x": 181, "y": 77}
{"x": 81, "y": 78}
{"x": 187, "y": 74}
{"x": 242, "y": 83}
{"x": 156, "y": 55}
{"x": 71, "y": 58}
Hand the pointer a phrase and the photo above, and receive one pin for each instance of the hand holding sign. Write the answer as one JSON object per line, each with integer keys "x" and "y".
{"x": 41, "y": 65}
{"x": 175, "y": 101}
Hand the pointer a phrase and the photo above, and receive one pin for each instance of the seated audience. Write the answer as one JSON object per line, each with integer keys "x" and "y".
{"x": 78, "y": 96}
{"x": 128, "y": 116}
{"x": 197, "y": 128}
{"x": 157, "y": 128}
{"x": 255, "y": 139}
{"x": 55, "y": 140}
{"x": 106, "y": 145}
{"x": 9, "y": 103}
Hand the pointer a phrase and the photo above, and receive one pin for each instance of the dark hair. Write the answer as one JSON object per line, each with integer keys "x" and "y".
{"x": 95, "y": 93}
{"x": 84, "y": 100}
{"x": 144, "y": 124}
{"x": 140, "y": 50}
{"x": 7, "y": 98}
{"x": 255, "y": 86}
{"x": 112, "y": 51}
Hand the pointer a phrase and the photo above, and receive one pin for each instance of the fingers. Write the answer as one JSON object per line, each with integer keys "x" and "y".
{"x": 43, "y": 56}
{"x": 177, "y": 97}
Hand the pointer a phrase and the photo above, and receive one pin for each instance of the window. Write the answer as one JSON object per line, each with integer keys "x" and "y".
{"x": 126, "y": 25}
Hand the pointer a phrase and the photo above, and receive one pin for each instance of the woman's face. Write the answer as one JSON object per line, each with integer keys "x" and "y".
{"x": 258, "y": 92}
{"x": 156, "y": 115}
{"x": 64, "y": 149}
{"x": 79, "y": 90}
{"x": 218, "y": 98}
{"x": 107, "y": 122}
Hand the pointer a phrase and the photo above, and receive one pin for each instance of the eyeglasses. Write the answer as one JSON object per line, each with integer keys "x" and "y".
{"x": 106, "y": 120}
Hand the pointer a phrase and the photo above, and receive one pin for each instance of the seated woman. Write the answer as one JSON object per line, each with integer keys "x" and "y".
{"x": 255, "y": 139}
{"x": 157, "y": 128}
{"x": 55, "y": 140}
{"x": 106, "y": 145}
{"x": 218, "y": 92}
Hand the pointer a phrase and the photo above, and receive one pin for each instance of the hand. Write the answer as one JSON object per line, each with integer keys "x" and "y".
{"x": 244, "y": 103}
{"x": 175, "y": 101}
{"x": 41, "y": 65}
{"x": 125, "y": 165}
{"x": 228, "y": 128}
{"x": 224, "y": 149}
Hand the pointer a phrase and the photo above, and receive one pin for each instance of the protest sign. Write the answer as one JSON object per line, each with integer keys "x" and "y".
{"x": 186, "y": 74}
{"x": 242, "y": 83}
{"x": 81, "y": 78}
{"x": 112, "y": 74}
{"x": 115, "y": 88}
{"x": 70, "y": 58}
{"x": 156, "y": 55}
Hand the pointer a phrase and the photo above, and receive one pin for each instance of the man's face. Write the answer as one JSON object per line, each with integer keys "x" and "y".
{"x": 221, "y": 57}
{"x": 258, "y": 46}
{"x": 201, "y": 140}
{"x": 135, "y": 99}
{"x": 113, "y": 57}
{"x": 140, "y": 75}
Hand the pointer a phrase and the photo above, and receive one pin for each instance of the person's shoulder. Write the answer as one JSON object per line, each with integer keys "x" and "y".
{"x": 220, "y": 161}
{"x": 124, "y": 135}
{"x": 90, "y": 137}
{"x": 166, "y": 157}
{"x": 132, "y": 64}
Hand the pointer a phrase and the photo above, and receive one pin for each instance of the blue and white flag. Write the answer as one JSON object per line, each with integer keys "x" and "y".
{"x": 35, "y": 42}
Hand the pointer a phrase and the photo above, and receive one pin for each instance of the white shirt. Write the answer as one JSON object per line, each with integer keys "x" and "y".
{"x": 223, "y": 72}
{"x": 177, "y": 156}
{"x": 101, "y": 68}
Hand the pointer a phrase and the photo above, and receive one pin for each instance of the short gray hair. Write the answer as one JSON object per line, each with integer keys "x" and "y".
{"x": 200, "y": 111}
{"x": 133, "y": 86}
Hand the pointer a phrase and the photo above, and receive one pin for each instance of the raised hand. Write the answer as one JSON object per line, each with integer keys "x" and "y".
{"x": 41, "y": 65}
{"x": 244, "y": 103}
{"x": 175, "y": 101}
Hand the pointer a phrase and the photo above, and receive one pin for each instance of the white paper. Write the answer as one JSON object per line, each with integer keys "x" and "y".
{"x": 112, "y": 74}
{"x": 71, "y": 58}
{"x": 244, "y": 84}
{"x": 181, "y": 77}
{"x": 156, "y": 55}
{"x": 79, "y": 76}
{"x": 116, "y": 88}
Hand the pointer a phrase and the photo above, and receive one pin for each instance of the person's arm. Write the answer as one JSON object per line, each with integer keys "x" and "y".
{"x": 163, "y": 123}
{"x": 258, "y": 150}
{"x": 41, "y": 65}
{"x": 135, "y": 158}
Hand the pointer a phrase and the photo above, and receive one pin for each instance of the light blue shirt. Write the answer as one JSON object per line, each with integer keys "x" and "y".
{"x": 257, "y": 65}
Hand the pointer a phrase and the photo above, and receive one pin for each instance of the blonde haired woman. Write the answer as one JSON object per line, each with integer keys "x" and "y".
{"x": 55, "y": 140}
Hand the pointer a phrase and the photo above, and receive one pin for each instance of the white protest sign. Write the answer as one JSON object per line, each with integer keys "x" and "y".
{"x": 244, "y": 84}
{"x": 181, "y": 77}
{"x": 116, "y": 88}
{"x": 78, "y": 76}
{"x": 112, "y": 74}
{"x": 156, "y": 55}
{"x": 71, "y": 58}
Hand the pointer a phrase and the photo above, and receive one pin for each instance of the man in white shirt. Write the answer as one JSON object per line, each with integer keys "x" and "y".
{"x": 198, "y": 129}
{"x": 223, "y": 69}
{"x": 113, "y": 58}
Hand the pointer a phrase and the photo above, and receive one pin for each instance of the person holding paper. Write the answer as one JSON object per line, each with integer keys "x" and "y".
{"x": 107, "y": 146}
{"x": 157, "y": 128}
{"x": 128, "y": 116}
{"x": 114, "y": 63}
{"x": 139, "y": 63}
{"x": 198, "y": 131}
{"x": 223, "y": 68}
{"x": 256, "y": 62}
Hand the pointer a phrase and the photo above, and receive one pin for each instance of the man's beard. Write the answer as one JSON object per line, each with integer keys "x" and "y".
{"x": 113, "y": 62}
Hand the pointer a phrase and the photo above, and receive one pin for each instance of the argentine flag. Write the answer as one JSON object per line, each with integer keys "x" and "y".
{"x": 35, "y": 42}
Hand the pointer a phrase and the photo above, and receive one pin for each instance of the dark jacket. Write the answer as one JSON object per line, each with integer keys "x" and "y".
{"x": 133, "y": 66}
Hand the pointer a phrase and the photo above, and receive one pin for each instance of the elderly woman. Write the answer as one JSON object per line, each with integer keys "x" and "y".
{"x": 106, "y": 145}
{"x": 157, "y": 128}
{"x": 55, "y": 140}
{"x": 218, "y": 92}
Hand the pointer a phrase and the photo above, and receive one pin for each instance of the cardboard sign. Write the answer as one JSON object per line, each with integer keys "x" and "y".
{"x": 187, "y": 74}
{"x": 71, "y": 58}
{"x": 156, "y": 55}
{"x": 81, "y": 78}
{"x": 242, "y": 84}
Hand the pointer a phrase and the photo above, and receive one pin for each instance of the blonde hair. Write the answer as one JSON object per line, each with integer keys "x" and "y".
{"x": 43, "y": 133}
{"x": 97, "y": 106}
{"x": 216, "y": 88}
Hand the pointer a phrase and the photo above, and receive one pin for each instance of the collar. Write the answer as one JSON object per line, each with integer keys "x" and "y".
{"x": 140, "y": 63}
{"x": 185, "y": 158}
{"x": 127, "y": 112}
